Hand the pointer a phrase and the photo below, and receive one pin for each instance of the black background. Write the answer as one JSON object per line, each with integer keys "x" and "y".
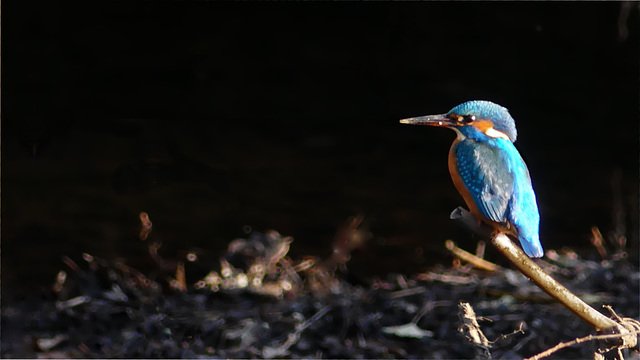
{"x": 216, "y": 117}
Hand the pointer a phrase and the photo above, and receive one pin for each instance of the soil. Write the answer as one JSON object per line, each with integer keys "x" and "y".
{"x": 307, "y": 307}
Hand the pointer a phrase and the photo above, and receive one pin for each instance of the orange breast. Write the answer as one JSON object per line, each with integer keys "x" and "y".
{"x": 457, "y": 181}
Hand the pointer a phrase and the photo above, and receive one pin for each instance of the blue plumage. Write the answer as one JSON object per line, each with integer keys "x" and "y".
{"x": 488, "y": 170}
{"x": 498, "y": 181}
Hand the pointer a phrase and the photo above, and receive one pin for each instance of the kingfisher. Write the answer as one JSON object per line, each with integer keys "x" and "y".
{"x": 489, "y": 172}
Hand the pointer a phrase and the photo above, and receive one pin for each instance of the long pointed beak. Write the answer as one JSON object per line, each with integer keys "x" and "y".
{"x": 433, "y": 120}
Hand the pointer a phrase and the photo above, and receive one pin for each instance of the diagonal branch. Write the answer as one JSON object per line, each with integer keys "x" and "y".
{"x": 531, "y": 270}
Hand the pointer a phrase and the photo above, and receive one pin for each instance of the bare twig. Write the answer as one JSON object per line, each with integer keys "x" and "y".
{"x": 453, "y": 279}
{"x": 563, "y": 345}
{"x": 630, "y": 340}
{"x": 470, "y": 258}
{"x": 472, "y": 331}
{"x": 598, "y": 241}
{"x": 407, "y": 292}
{"x": 430, "y": 305}
{"x": 146, "y": 226}
{"x": 70, "y": 263}
{"x": 480, "y": 247}
{"x": 293, "y": 337}
{"x": 180, "y": 281}
{"x": 505, "y": 336}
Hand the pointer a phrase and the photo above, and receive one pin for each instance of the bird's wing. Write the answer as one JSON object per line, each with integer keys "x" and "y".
{"x": 487, "y": 174}
{"x": 499, "y": 184}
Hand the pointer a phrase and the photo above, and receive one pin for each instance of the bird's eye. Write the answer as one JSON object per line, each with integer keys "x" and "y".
{"x": 468, "y": 119}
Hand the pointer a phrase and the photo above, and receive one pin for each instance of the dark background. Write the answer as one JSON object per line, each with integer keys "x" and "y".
{"x": 217, "y": 117}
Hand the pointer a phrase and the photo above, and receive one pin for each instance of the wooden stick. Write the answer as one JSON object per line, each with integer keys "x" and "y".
{"x": 531, "y": 270}
{"x": 481, "y": 264}
{"x": 472, "y": 331}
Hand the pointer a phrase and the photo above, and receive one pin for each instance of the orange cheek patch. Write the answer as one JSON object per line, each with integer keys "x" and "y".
{"x": 486, "y": 127}
{"x": 483, "y": 125}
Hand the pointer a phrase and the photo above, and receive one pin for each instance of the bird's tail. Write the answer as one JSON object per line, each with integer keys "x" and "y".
{"x": 530, "y": 242}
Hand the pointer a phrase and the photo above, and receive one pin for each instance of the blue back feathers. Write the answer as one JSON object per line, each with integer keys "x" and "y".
{"x": 486, "y": 110}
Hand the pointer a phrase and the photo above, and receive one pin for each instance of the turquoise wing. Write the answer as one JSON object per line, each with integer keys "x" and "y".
{"x": 499, "y": 184}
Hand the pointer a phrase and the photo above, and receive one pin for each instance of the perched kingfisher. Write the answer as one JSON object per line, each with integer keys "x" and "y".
{"x": 488, "y": 171}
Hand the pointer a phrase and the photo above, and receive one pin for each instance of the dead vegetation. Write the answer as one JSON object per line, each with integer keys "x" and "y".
{"x": 257, "y": 302}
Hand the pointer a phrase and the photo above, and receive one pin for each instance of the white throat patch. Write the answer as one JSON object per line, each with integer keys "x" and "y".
{"x": 460, "y": 135}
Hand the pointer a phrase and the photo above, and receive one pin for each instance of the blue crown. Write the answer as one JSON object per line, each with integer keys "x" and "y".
{"x": 486, "y": 110}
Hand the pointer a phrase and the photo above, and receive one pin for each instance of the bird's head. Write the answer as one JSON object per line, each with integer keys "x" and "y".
{"x": 473, "y": 119}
